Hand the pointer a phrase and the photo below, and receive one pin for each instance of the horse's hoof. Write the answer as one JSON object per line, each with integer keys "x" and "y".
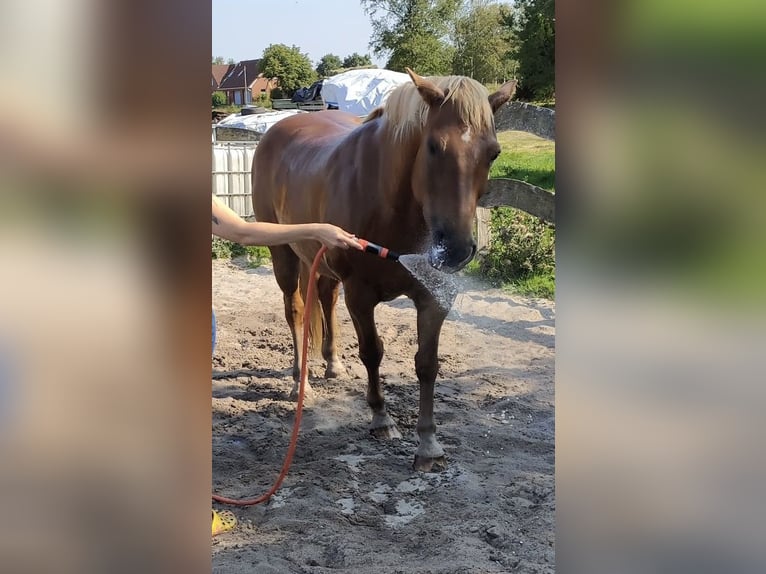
{"x": 430, "y": 464}
{"x": 308, "y": 393}
{"x": 335, "y": 371}
{"x": 386, "y": 432}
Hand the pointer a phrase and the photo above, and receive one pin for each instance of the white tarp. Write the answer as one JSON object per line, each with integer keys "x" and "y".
{"x": 259, "y": 123}
{"x": 361, "y": 91}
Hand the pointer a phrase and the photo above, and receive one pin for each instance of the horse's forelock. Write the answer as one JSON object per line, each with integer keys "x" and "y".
{"x": 407, "y": 113}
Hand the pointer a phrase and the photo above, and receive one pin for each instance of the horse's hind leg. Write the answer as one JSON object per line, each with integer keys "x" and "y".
{"x": 328, "y": 295}
{"x": 361, "y": 306}
{"x": 429, "y": 455}
{"x": 286, "y": 270}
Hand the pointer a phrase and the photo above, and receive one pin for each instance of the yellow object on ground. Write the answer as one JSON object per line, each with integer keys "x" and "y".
{"x": 223, "y": 521}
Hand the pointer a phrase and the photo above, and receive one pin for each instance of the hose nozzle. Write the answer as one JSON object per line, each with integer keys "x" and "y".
{"x": 383, "y": 252}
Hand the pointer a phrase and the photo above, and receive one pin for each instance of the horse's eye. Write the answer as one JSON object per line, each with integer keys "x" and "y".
{"x": 432, "y": 147}
{"x": 494, "y": 155}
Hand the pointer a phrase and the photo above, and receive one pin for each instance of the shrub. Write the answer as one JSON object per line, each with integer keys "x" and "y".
{"x": 224, "y": 249}
{"x": 257, "y": 255}
{"x": 219, "y": 99}
{"x": 263, "y": 101}
{"x": 522, "y": 246}
{"x": 221, "y": 248}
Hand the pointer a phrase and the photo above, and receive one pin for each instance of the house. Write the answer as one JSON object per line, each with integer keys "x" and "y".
{"x": 219, "y": 73}
{"x": 244, "y": 82}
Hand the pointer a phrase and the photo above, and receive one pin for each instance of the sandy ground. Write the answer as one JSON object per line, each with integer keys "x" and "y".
{"x": 352, "y": 503}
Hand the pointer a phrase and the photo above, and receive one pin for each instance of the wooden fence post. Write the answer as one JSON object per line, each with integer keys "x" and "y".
{"x": 482, "y": 228}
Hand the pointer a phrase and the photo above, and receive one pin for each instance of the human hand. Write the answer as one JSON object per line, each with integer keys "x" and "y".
{"x": 333, "y": 236}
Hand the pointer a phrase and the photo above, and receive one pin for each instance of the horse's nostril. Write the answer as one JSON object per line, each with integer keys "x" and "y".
{"x": 439, "y": 237}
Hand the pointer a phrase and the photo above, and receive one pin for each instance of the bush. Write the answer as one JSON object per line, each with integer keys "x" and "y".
{"x": 257, "y": 255}
{"x": 263, "y": 101}
{"x": 219, "y": 99}
{"x": 224, "y": 249}
{"x": 522, "y": 246}
{"x": 221, "y": 248}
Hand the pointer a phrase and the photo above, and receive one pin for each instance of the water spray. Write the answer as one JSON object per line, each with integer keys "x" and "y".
{"x": 441, "y": 286}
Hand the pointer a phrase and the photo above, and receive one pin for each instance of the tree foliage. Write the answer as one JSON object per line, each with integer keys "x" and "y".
{"x": 413, "y": 33}
{"x": 219, "y": 99}
{"x": 534, "y": 24}
{"x": 289, "y": 66}
{"x": 483, "y": 42}
{"x": 328, "y": 64}
{"x": 356, "y": 60}
{"x": 218, "y": 60}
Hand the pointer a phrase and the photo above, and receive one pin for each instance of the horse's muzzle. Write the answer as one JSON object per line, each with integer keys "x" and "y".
{"x": 450, "y": 259}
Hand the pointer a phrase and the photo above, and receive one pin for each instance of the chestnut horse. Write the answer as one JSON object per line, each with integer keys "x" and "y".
{"x": 407, "y": 177}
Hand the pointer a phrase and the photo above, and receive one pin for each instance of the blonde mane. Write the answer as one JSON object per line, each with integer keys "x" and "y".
{"x": 406, "y": 112}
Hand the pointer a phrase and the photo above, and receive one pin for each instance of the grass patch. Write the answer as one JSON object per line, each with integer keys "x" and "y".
{"x": 526, "y": 157}
{"x": 542, "y": 285}
{"x": 522, "y": 250}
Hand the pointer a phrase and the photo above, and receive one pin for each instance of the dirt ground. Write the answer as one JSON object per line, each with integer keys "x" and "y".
{"x": 352, "y": 503}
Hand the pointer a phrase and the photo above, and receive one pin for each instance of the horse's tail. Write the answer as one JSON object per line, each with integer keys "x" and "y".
{"x": 317, "y": 317}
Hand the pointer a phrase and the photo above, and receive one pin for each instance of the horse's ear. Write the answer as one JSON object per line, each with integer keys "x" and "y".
{"x": 430, "y": 92}
{"x": 502, "y": 95}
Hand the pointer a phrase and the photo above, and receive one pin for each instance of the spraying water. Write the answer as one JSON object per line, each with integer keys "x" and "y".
{"x": 441, "y": 285}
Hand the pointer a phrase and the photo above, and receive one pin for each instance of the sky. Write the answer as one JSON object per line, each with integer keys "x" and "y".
{"x": 242, "y": 29}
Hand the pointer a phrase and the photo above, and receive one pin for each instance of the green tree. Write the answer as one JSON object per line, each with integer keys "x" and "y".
{"x": 355, "y": 60}
{"x": 534, "y": 24}
{"x": 219, "y": 99}
{"x": 413, "y": 33}
{"x": 289, "y": 66}
{"x": 482, "y": 43}
{"x": 328, "y": 64}
{"x": 218, "y": 60}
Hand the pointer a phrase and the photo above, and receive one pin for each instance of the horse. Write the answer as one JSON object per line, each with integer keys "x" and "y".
{"x": 407, "y": 176}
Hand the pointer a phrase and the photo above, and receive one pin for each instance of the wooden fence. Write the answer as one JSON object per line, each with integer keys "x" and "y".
{"x": 233, "y": 148}
{"x": 517, "y": 116}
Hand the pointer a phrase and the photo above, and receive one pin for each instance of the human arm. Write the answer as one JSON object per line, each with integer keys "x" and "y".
{"x": 228, "y": 225}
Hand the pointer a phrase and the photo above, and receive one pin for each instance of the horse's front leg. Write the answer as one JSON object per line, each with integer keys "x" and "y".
{"x": 429, "y": 455}
{"x": 361, "y": 302}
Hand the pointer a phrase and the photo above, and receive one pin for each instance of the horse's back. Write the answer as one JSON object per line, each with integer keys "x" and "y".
{"x": 291, "y": 156}
{"x": 314, "y": 128}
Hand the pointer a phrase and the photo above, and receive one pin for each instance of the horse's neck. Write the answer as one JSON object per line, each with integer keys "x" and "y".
{"x": 387, "y": 187}
{"x": 397, "y": 162}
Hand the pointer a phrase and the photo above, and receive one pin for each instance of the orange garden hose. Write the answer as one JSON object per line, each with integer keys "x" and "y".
{"x": 301, "y": 392}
